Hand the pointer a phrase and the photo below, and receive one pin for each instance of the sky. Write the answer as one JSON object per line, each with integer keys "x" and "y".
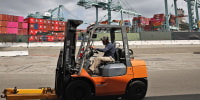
{"x": 145, "y": 7}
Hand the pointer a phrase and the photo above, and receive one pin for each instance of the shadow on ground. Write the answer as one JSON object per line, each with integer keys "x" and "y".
{"x": 176, "y": 97}
{"x": 171, "y": 97}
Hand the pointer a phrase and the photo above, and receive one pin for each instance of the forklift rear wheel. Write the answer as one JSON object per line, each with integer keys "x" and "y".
{"x": 136, "y": 90}
{"x": 78, "y": 90}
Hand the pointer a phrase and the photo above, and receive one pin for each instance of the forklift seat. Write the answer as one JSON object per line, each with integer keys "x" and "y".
{"x": 118, "y": 54}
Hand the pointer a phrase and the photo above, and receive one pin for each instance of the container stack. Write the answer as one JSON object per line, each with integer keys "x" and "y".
{"x": 141, "y": 22}
{"x": 12, "y": 26}
{"x": 158, "y": 21}
{"x": 45, "y": 30}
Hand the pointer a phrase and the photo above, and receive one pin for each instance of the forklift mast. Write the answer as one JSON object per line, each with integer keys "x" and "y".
{"x": 70, "y": 45}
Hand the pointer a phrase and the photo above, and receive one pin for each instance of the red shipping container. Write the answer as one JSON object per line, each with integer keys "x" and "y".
{"x": 20, "y": 31}
{"x": 40, "y": 21}
{"x": 4, "y": 17}
{"x": 10, "y": 18}
{"x": 36, "y": 20}
{"x": 29, "y": 20}
{"x": 52, "y": 28}
{"x": 25, "y": 25}
{"x": 3, "y": 30}
{"x": 56, "y": 23}
{"x": 12, "y": 24}
{"x": 60, "y": 38}
{"x": 45, "y": 22}
{"x": 60, "y": 23}
{"x": 20, "y": 19}
{"x": 61, "y": 28}
{"x": 31, "y": 26}
{"x": 44, "y": 31}
{"x": 50, "y": 38}
{"x": 157, "y": 24}
{"x": 40, "y": 27}
{"x": 157, "y": 20}
{"x": 31, "y": 31}
{"x": 45, "y": 27}
{"x": 31, "y": 38}
{"x": 0, "y": 17}
{"x": 61, "y": 34}
{"x": 15, "y": 18}
{"x": 135, "y": 18}
{"x": 56, "y": 28}
{"x": 139, "y": 24}
{"x": 40, "y": 31}
{"x": 12, "y": 30}
{"x": 25, "y": 31}
{"x": 52, "y": 22}
{"x": 63, "y": 23}
{"x": 3, "y": 23}
{"x": 49, "y": 22}
{"x": 20, "y": 25}
{"x": 36, "y": 32}
{"x": 52, "y": 33}
{"x": 158, "y": 16}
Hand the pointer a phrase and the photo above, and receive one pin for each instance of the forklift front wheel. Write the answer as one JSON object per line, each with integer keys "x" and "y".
{"x": 78, "y": 90}
{"x": 136, "y": 90}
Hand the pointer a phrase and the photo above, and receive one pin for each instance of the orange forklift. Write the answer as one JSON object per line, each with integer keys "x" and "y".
{"x": 126, "y": 76}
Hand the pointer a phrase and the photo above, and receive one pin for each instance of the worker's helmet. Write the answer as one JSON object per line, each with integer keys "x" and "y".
{"x": 105, "y": 38}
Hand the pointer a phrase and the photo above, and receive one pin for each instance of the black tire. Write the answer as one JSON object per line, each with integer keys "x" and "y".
{"x": 78, "y": 90}
{"x": 136, "y": 90}
{"x": 58, "y": 85}
{"x": 58, "y": 75}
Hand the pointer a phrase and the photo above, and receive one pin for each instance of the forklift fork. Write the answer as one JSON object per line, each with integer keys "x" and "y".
{"x": 21, "y": 94}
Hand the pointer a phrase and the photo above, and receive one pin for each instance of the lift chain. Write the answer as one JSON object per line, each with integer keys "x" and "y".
{"x": 15, "y": 90}
{"x": 49, "y": 90}
{"x": 5, "y": 92}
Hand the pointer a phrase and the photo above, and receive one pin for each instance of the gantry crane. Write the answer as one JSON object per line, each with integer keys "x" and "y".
{"x": 193, "y": 5}
{"x": 50, "y": 14}
{"x": 106, "y": 5}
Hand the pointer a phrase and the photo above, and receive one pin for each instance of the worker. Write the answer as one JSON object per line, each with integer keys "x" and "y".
{"x": 108, "y": 56}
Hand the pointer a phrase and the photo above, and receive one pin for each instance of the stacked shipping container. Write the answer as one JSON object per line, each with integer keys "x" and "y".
{"x": 157, "y": 21}
{"x": 12, "y": 25}
{"x": 54, "y": 30}
{"x": 141, "y": 22}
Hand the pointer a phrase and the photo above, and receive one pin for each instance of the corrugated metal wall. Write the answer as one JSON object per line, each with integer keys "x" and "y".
{"x": 8, "y": 37}
{"x": 186, "y": 35}
{"x": 155, "y": 36}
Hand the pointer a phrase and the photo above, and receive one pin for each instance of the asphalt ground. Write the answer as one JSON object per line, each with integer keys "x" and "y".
{"x": 173, "y": 71}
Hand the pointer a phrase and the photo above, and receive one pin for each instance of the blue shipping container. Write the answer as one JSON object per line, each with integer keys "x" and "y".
{"x": 36, "y": 26}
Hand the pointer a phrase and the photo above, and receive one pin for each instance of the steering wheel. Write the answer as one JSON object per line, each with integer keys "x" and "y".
{"x": 91, "y": 53}
{"x": 93, "y": 50}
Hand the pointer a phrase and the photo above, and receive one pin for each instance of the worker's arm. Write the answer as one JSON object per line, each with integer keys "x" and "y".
{"x": 108, "y": 47}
